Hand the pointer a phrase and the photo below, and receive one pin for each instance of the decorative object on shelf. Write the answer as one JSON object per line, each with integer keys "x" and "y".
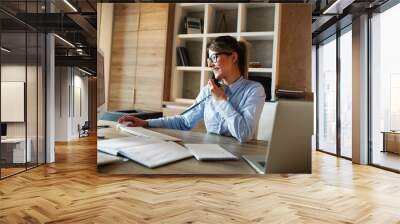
{"x": 182, "y": 56}
{"x": 221, "y": 25}
{"x": 292, "y": 94}
{"x": 192, "y": 25}
{"x": 254, "y": 64}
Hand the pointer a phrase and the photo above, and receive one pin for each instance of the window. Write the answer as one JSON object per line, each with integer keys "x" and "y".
{"x": 346, "y": 93}
{"x": 327, "y": 96}
{"x": 335, "y": 74}
{"x": 385, "y": 88}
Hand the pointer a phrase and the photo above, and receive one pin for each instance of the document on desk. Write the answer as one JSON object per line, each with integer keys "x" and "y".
{"x": 156, "y": 154}
{"x": 112, "y": 146}
{"x": 139, "y": 131}
{"x": 104, "y": 159}
{"x": 210, "y": 152}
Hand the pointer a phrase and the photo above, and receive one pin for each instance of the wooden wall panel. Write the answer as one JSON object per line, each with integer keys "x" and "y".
{"x": 138, "y": 56}
{"x": 127, "y": 16}
{"x": 153, "y": 16}
{"x": 150, "y": 69}
{"x": 123, "y": 56}
{"x": 294, "y": 47}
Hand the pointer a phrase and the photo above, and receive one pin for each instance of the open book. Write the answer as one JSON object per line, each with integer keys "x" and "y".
{"x": 112, "y": 146}
{"x": 152, "y": 154}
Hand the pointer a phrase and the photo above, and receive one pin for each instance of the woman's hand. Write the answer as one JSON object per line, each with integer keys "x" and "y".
{"x": 133, "y": 121}
{"x": 217, "y": 92}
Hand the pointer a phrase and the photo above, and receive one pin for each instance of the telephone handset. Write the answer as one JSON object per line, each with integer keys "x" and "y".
{"x": 212, "y": 76}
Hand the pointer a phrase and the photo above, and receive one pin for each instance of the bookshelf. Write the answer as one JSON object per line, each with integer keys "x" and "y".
{"x": 255, "y": 23}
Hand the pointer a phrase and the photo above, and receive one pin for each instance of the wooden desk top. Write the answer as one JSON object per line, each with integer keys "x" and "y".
{"x": 190, "y": 165}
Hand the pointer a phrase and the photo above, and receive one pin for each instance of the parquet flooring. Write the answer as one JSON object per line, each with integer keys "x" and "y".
{"x": 71, "y": 191}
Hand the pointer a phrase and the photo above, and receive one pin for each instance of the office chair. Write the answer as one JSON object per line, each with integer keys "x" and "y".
{"x": 84, "y": 130}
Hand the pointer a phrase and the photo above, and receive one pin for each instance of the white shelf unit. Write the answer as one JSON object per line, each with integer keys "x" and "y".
{"x": 255, "y": 23}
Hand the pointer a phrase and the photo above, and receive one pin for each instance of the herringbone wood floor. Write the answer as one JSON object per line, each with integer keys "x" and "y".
{"x": 71, "y": 191}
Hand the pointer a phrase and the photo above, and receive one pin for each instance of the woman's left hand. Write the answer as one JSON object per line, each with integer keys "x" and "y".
{"x": 216, "y": 91}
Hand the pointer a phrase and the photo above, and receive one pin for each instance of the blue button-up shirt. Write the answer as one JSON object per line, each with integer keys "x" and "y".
{"x": 238, "y": 116}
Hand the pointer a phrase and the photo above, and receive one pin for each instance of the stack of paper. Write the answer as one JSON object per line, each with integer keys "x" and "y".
{"x": 139, "y": 131}
{"x": 157, "y": 154}
{"x": 148, "y": 151}
{"x": 210, "y": 152}
{"x": 103, "y": 159}
{"x": 112, "y": 146}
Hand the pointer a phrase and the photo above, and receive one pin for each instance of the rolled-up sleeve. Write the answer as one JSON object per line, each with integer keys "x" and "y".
{"x": 242, "y": 122}
{"x": 183, "y": 122}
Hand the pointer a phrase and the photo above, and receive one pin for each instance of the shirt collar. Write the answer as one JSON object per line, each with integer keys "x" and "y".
{"x": 235, "y": 85}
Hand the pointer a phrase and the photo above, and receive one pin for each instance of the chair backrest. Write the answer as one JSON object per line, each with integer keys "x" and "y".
{"x": 289, "y": 149}
{"x": 266, "y": 122}
{"x": 86, "y": 125}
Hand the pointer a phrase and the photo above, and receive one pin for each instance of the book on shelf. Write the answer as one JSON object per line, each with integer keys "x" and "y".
{"x": 182, "y": 56}
{"x": 192, "y": 25}
{"x": 179, "y": 57}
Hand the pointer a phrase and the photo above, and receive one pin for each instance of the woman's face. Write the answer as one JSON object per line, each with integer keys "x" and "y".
{"x": 222, "y": 64}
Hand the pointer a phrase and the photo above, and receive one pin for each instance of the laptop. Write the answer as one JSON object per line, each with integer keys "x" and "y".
{"x": 289, "y": 148}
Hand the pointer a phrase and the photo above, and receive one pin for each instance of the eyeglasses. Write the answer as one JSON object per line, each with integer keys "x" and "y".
{"x": 214, "y": 57}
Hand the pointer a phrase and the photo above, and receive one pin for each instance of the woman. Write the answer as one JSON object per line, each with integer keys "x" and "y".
{"x": 233, "y": 109}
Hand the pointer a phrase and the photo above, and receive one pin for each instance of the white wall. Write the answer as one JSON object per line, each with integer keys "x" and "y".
{"x": 33, "y": 126}
{"x": 61, "y": 103}
{"x": 69, "y": 82}
{"x": 15, "y": 73}
{"x": 105, "y": 15}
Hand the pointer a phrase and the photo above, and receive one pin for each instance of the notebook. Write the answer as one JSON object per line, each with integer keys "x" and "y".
{"x": 155, "y": 154}
{"x": 139, "y": 131}
{"x": 112, "y": 146}
{"x": 210, "y": 152}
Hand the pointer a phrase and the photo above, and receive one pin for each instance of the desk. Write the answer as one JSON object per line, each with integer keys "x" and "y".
{"x": 190, "y": 165}
{"x": 13, "y": 150}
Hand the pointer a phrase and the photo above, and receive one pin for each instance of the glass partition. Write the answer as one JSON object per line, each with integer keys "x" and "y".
{"x": 327, "y": 96}
{"x": 22, "y": 88}
{"x": 346, "y": 93}
{"x": 14, "y": 145}
{"x": 32, "y": 96}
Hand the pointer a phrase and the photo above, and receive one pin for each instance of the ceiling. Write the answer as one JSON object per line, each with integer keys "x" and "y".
{"x": 79, "y": 27}
{"x": 22, "y": 20}
{"x": 331, "y": 15}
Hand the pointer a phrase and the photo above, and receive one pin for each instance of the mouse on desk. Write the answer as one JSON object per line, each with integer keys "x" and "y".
{"x": 125, "y": 124}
